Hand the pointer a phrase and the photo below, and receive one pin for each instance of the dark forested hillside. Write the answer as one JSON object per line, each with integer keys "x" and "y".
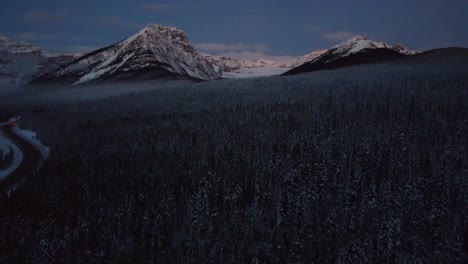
{"x": 357, "y": 165}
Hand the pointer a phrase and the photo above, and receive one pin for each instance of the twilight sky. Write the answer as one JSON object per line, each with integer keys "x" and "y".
{"x": 263, "y": 28}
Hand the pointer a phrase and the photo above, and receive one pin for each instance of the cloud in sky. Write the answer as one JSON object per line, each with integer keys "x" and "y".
{"x": 338, "y": 36}
{"x": 37, "y": 16}
{"x": 153, "y": 8}
{"x": 34, "y": 36}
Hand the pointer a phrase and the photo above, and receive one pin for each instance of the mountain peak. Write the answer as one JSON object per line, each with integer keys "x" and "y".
{"x": 155, "y": 51}
{"x": 152, "y": 34}
{"x": 357, "y": 38}
{"x": 357, "y": 44}
{"x": 172, "y": 32}
{"x": 161, "y": 28}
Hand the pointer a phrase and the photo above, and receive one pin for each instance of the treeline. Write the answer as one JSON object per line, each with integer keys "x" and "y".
{"x": 362, "y": 165}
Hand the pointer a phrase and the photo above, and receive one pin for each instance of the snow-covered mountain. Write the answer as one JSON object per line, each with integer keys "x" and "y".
{"x": 155, "y": 51}
{"x": 20, "y": 61}
{"x": 359, "y": 43}
{"x": 230, "y": 67}
{"x": 357, "y": 50}
{"x": 159, "y": 51}
{"x": 13, "y": 47}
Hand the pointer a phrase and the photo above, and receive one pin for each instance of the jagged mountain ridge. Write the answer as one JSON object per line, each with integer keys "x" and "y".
{"x": 155, "y": 51}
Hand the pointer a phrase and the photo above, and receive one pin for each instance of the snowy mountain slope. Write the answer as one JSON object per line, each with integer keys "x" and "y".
{"x": 306, "y": 58}
{"x": 356, "y": 50}
{"x": 155, "y": 51}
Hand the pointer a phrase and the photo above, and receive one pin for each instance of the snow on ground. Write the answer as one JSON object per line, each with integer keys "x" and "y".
{"x": 30, "y": 136}
{"x": 6, "y": 144}
{"x": 17, "y": 156}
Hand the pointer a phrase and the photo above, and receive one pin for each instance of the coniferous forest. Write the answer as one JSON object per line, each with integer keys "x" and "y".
{"x": 358, "y": 165}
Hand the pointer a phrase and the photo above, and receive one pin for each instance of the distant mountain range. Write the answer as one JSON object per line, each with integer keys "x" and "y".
{"x": 232, "y": 68}
{"x": 158, "y": 51}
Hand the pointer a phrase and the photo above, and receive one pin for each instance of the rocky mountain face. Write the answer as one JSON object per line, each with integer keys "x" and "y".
{"x": 154, "y": 52}
{"x": 357, "y": 50}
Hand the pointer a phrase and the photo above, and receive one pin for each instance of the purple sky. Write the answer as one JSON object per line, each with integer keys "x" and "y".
{"x": 261, "y": 27}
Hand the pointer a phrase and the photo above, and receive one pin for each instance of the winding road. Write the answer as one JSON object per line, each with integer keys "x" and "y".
{"x": 32, "y": 159}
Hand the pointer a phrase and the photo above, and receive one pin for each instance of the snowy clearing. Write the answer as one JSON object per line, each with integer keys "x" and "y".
{"x": 5, "y": 143}
{"x": 30, "y": 136}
